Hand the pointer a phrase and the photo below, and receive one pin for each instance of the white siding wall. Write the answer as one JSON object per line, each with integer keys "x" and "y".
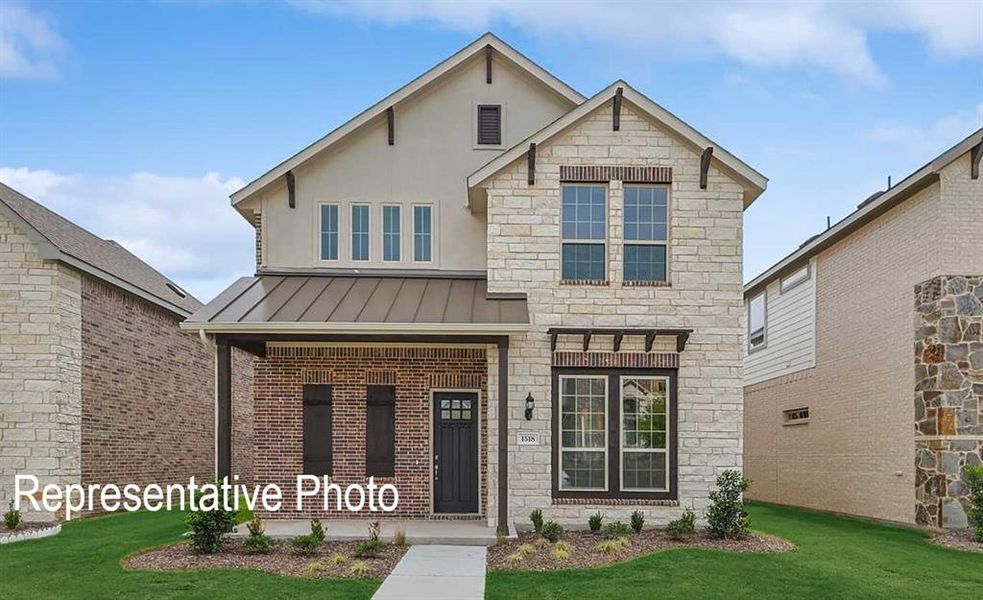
{"x": 790, "y": 332}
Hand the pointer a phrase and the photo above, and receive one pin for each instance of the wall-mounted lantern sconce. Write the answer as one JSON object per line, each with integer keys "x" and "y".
{"x": 529, "y": 404}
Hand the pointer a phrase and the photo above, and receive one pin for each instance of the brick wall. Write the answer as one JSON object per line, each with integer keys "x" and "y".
{"x": 704, "y": 293}
{"x": 40, "y": 356}
{"x": 279, "y": 380}
{"x": 148, "y": 389}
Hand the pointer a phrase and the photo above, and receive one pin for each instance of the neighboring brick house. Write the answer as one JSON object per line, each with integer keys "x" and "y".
{"x": 98, "y": 384}
{"x": 864, "y": 367}
{"x": 499, "y": 295}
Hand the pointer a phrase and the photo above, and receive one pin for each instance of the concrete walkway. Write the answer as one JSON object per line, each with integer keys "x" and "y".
{"x": 435, "y": 573}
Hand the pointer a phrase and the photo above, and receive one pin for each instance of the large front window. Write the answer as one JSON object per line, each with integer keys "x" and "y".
{"x": 583, "y": 233}
{"x": 583, "y": 433}
{"x": 646, "y": 233}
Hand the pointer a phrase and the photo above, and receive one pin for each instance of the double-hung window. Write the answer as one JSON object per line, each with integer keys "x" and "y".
{"x": 644, "y": 434}
{"x": 583, "y": 432}
{"x": 390, "y": 233}
{"x": 646, "y": 233}
{"x": 583, "y": 233}
{"x": 757, "y": 322}
{"x": 422, "y": 234}
{"x": 360, "y": 232}
{"x": 329, "y": 232}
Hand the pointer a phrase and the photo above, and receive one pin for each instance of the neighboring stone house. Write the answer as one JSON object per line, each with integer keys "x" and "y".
{"x": 498, "y": 295}
{"x": 863, "y": 371}
{"x": 98, "y": 384}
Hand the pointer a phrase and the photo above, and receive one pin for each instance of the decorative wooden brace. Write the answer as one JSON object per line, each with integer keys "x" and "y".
{"x": 488, "y": 64}
{"x": 531, "y": 159}
{"x": 291, "y": 190}
{"x": 391, "y": 120}
{"x": 705, "y": 166}
{"x": 616, "y": 124}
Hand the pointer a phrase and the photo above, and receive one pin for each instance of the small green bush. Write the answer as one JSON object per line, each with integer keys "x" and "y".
{"x": 726, "y": 517}
{"x": 594, "y": 522}
{"x": 360, "y": 569}
{"x": 609, "y": 547}
{"x": 683, "y": 526}
{"x": 312, "y": 542}
{"x": 974, "y": 478}
{"x": 369, "y": 548}
{"x": 526, "y": 549}
{"x": 637, "y": 521}
{"x": 536, "y": 517}
{"x": 560, "y": 554}
{"x": 12, "y": 517}
{"x": 563, "y": 545}
{"x": 551, "y": 530}
{"x": 257, "y": 542}
{"x": 339, "y": 559}
{"x": 617, "y": 529}
{"x": 208, "y": 526}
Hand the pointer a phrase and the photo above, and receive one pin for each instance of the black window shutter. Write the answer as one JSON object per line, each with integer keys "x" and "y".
{"x": 380, "y": 431}
{"x": 489, "y": 124}
{"x": 317, "y": 429}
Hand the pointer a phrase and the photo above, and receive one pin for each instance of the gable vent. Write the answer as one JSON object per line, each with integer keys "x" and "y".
{"x": 490, "y": 124}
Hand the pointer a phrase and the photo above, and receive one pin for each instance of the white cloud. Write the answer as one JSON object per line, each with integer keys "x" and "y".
{"x": 30, "y": 47}
{"x": 932, "y": 139}
{"x": 828, "y": 35}
{"x": 181, "y": 226}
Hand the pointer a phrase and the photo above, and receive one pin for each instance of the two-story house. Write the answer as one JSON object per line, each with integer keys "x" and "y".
{"x": 498, "y": 295}
{"x": 864, "y": 368}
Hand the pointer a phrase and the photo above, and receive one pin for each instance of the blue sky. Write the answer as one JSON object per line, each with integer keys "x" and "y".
{"x": 136, "y": 120}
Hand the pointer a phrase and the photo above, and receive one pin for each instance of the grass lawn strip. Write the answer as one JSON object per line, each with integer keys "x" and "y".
{"x": 283, "y": 560}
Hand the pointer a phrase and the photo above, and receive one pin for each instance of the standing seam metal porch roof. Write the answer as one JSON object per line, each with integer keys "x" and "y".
{"x": 380, "y": 304}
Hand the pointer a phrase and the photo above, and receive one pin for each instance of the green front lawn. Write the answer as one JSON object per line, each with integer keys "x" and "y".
{"x": 836, "y": 558}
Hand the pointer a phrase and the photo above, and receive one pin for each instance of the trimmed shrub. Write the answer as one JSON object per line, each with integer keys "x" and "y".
{"x": 12, "y": 517}
{"x": 637, "y": 521}
{"x": 617, "y": 529}
{"x": 974, "y": 478}
{"x": 208, "y": 526}
{"x": 682, "y": 527}
{"x": 536, "y": 517}
{"x": 594, "y": 522}
{"x": 726, "y": 517}
{"x": 257, "y": 542}
{"x": 369, "y": 548}
{"x": 551, "y": 530}
{"x": 312, "y": 542}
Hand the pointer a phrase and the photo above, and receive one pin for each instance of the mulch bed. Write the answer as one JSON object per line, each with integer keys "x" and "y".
{"x": 23, "y": 528}
{"x": 960, "y": 539}
{"x": 584, "y": 553}
{"x": 283, "y": 560}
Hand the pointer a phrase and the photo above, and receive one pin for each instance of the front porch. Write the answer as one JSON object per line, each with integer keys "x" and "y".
{"x": 418, "y": 532}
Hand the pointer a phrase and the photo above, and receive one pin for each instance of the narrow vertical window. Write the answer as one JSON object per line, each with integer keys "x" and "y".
{"x": 422, "y": 234}
{"x": 380, "y": 431}
{"x": 584, "y": 233}
{"x": 489, "y": 124}
{"x": 329, "y": 232}
{"x": 644, "y": 434}
{"x": 317, "y": 429}
{"x": 757, "y": 319}
{"x": 360, "y": 232}
{"x": 646, "y": 233}
{"x": 390, "y": 233}
{"x": 583, "y": 433}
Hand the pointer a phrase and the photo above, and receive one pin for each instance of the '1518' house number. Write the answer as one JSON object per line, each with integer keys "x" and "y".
{"x": 528, "y": 439}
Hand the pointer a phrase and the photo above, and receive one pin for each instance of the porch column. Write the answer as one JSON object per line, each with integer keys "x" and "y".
{"x": 503, "y": 436}
{"x": 223, "y": 409}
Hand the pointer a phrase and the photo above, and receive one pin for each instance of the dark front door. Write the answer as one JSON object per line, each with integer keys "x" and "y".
{"x": 455, "y": 449}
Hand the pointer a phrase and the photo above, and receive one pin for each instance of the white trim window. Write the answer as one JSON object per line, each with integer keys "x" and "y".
{"x": 360, "y": 232}
{"x": 794, "y": 279}
{"x": 646, "y": 221}
{"x": 391, "y": 228}
{"x": 330, "y": 228}
{"x": 757, "y": 321}
{"x": 583, "y": 432}
{"x": 422, "y": 233}
{"x": 645, "y": 434}
{"x": 583, "y": 231}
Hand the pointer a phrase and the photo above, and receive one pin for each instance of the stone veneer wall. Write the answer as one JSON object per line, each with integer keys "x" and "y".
{"x": 705, "y": 293}
{"x": 948, "y": 395}
{"x": 415, "y": 372}
{"x": 40, "y": 366}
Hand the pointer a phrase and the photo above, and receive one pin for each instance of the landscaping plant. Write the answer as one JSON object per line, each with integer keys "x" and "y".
{"x": 369, "y": 548}
{"x": 974, "y": 477}
{"x": 537, "y": 520}
{"x": 313, "y": 541}
{"x": 515, "y": 558}
{"x": 617, "y": 529}
{"x": 339, "y": 559}
{"x": 594, "y": 522}
{"x": 612, "y": 546}
{"x": 257, "y": 542}
{"x": 637, "y": 521}
{"x": 12, "y": 517}
{"x": 560, "y": 554}
{"x": 208, "y": 527}
{"x": 399, "y": 538}
{"x": 726, "y": 517}
{"x": 360, "y": 569}
{"x": 551, "y": 530}
{"x": 682, "y": 527}
{"x": 526, "y": 549}
{"x": 375, "y": 528}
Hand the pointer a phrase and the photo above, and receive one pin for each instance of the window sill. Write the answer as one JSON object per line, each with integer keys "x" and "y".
{"x": 598, "y": 282}
{"x": 661, "y": 284}
{"x": 614, "y": 501}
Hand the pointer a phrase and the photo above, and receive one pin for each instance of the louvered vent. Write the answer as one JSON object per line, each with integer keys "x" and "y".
{"x": 490, "y": 124}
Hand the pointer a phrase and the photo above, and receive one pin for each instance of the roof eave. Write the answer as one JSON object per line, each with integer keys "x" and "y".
{"x": 328, "y": 328}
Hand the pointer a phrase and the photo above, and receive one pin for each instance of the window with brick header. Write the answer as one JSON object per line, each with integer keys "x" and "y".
{"x": 583, "y": 230}
{"x": 646, "y": 220}
{"x": 380, "y": 431}
{"x": 317, "y": 430}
